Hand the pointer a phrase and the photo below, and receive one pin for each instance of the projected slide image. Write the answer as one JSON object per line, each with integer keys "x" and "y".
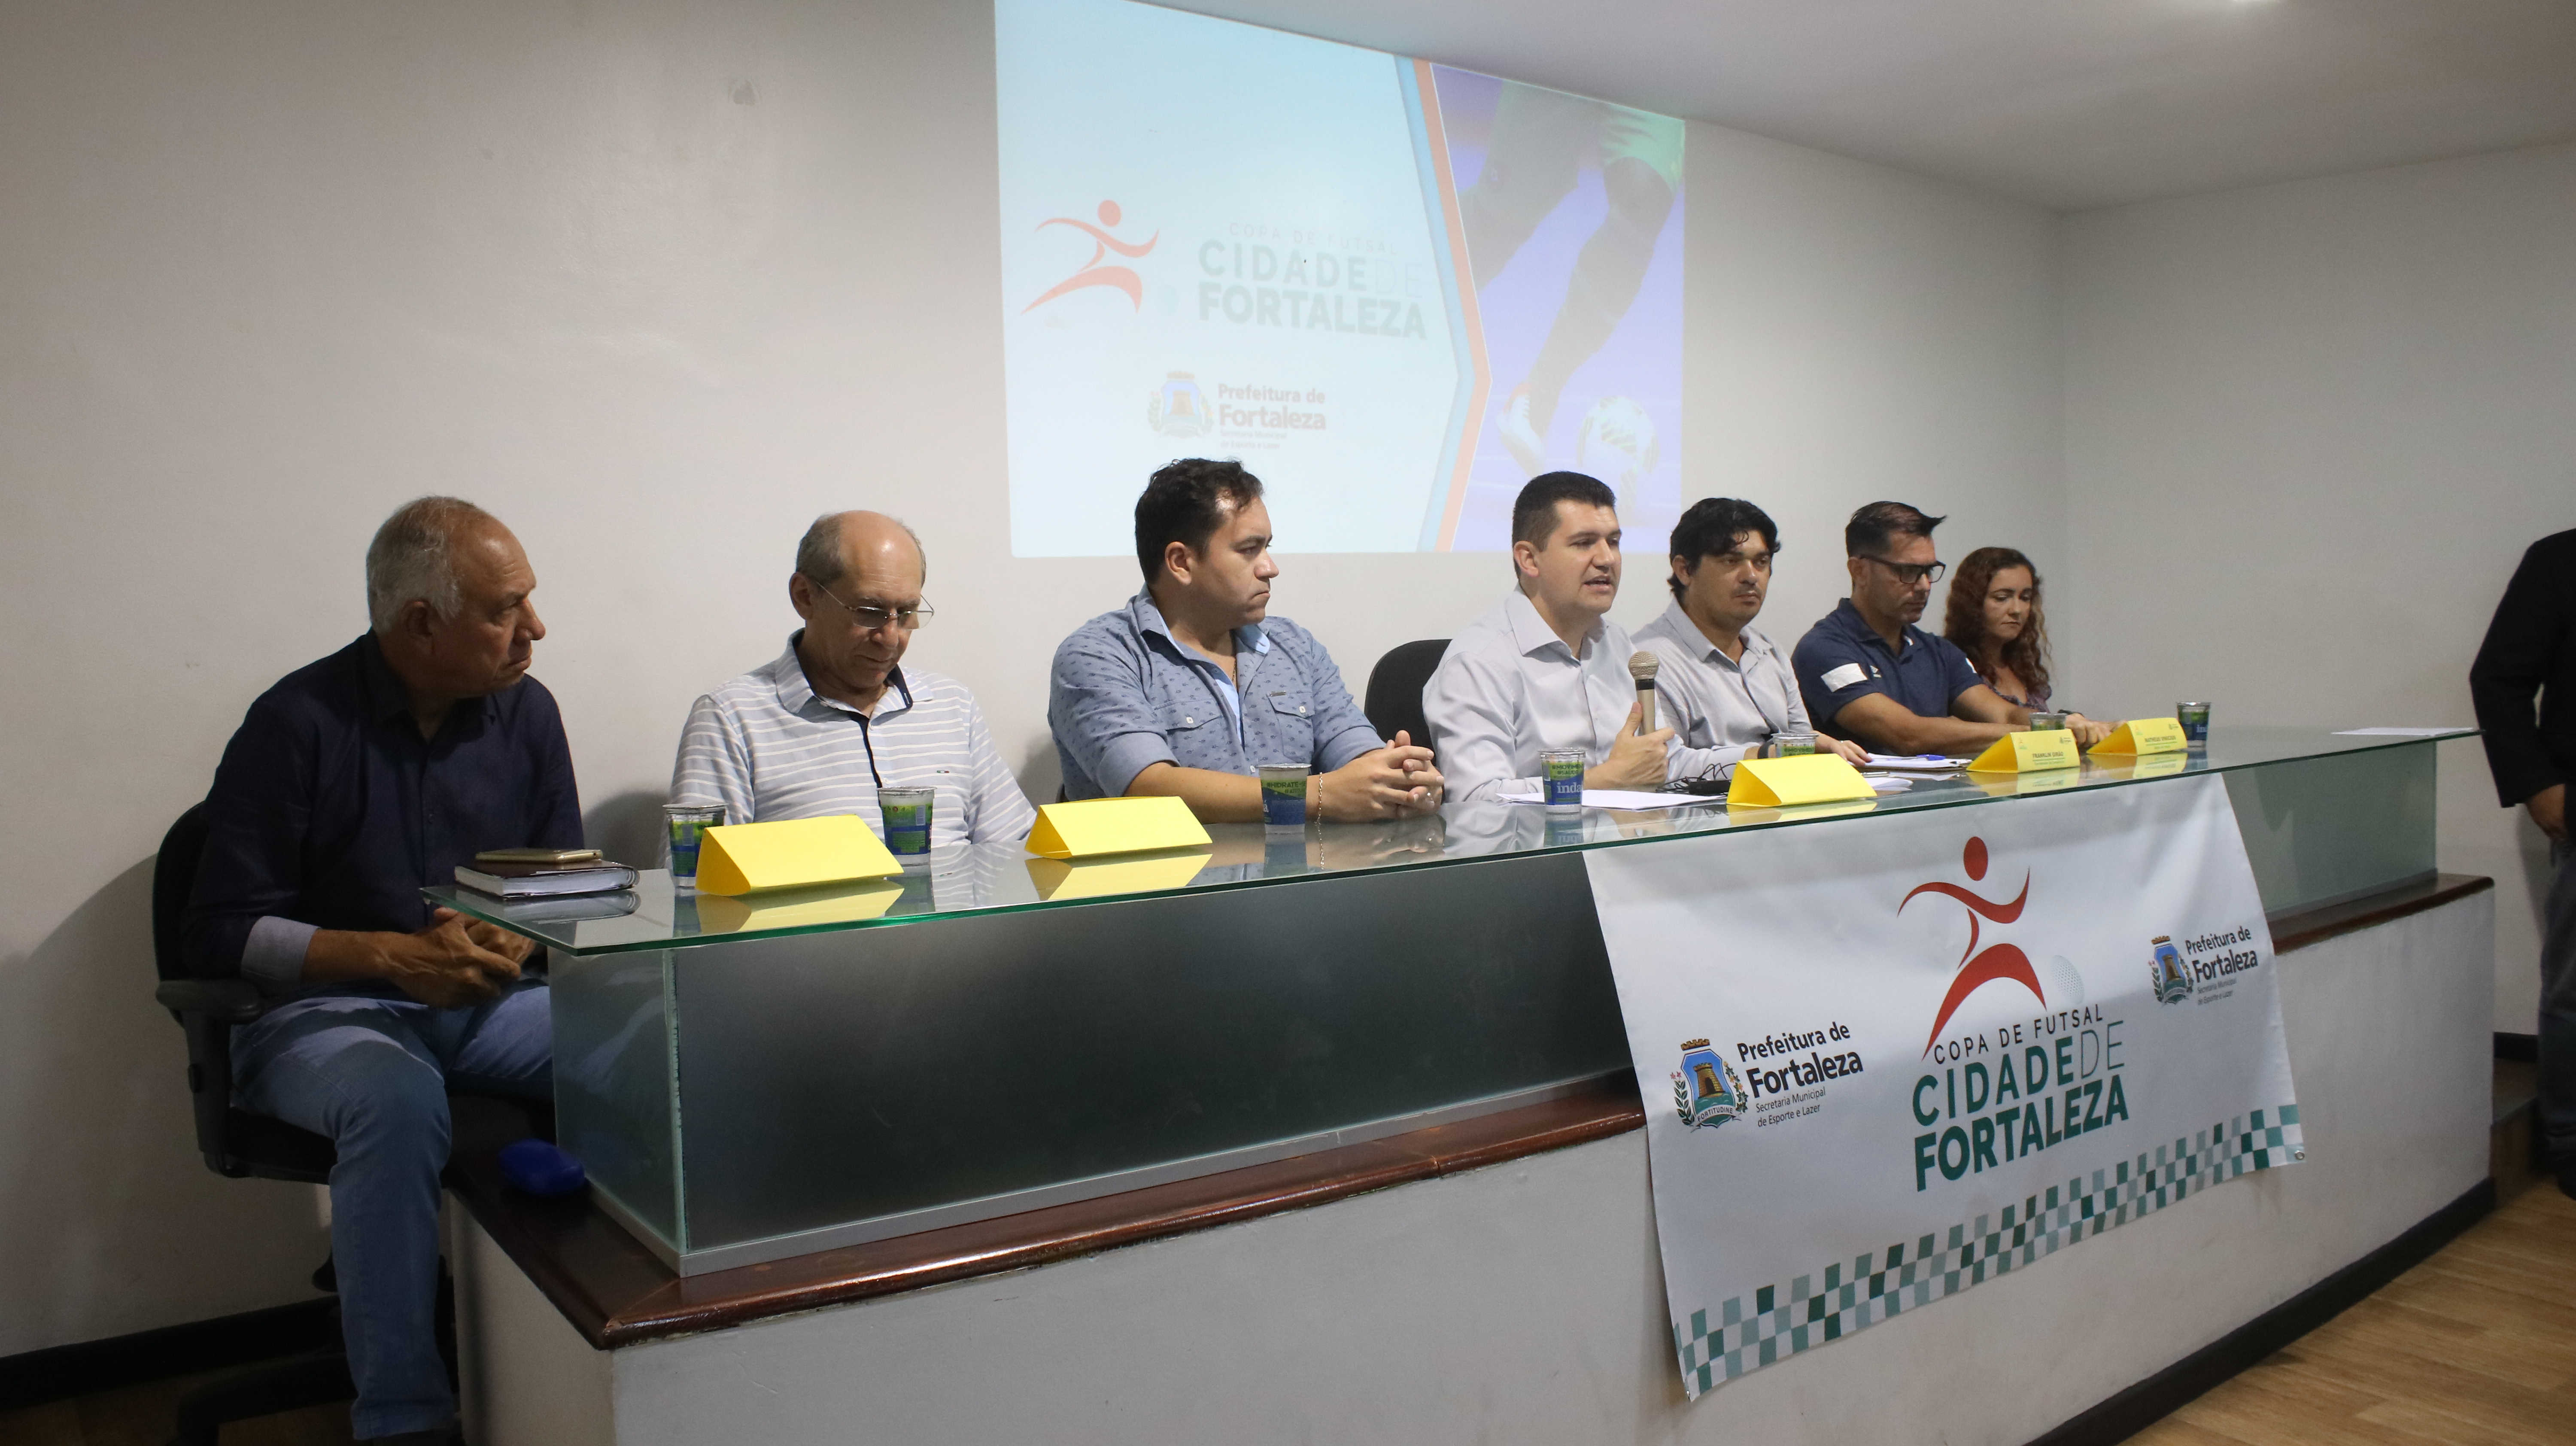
{"x": 1571, "y": 213}
{"x": 1394, "y": 290}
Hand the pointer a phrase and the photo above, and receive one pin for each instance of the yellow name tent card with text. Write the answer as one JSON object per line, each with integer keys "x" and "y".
{"x": 2029, "y": 753}
{"x": 1114, "y": 826}
{"x": 1808, "y": 778}
{"x": 737, "y": 858}
{"x": 2144, "y": 735}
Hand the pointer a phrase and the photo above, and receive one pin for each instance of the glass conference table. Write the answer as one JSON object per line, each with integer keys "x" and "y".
{"x": 747, "y": 1079}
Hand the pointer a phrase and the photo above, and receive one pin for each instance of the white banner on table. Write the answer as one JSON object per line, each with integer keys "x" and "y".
{"x": 1886, "y": 1059}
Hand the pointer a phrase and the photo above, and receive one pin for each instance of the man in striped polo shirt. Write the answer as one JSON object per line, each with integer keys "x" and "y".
{"x": 837, "y": 716}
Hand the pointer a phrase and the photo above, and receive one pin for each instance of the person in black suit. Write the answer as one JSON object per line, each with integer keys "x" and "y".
{"x": 2531, "y": 648}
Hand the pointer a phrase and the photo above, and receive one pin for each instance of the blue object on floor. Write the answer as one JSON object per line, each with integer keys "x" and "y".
{"x": 540, "y": 1168}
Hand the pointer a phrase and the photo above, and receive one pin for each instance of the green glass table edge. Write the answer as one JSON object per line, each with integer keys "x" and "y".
{"x": 1714, "y": 813}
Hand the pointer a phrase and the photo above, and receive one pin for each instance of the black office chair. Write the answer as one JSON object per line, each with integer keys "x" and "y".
{"x": 241, "y": 1145}
{"x": 236, "y": 1144}
{"x": 1394, "y": 699}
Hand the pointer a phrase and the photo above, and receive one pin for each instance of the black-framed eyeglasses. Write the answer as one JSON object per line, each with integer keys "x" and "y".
{"x": 870, "y": 617}
{"x": 1910, "y": 573}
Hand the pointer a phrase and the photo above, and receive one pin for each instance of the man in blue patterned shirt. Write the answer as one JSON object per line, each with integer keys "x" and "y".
{"x": 1192, "y": 686}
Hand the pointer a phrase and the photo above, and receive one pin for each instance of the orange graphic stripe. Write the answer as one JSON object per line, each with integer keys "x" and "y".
{"x": 1123, "y": 248}
{"x": 1117, "y": 276}
{"x": 2000, "y": 913}
{"x": 1466, "y": 273}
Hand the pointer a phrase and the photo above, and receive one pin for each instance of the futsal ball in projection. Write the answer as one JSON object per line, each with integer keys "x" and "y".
{"x": 1618, "y": 445}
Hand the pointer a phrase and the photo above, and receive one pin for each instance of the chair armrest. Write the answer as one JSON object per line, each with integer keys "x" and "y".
{"x": 226, "y": 1001}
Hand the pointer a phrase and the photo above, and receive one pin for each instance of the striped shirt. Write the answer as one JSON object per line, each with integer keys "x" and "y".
{"x": 767, "y": 746}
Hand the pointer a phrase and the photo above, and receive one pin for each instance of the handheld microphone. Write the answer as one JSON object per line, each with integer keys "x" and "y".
{"x": 1641, "y": 666}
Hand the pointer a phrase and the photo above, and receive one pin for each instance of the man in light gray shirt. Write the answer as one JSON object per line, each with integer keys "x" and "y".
{"x": 1726, "y": 689}
{"x": 1547, "y": 669}
{"x": 1194, "y": 684}
{"x": 819, "y": 729}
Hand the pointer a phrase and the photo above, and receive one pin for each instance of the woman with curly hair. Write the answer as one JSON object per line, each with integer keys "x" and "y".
{"x": 1995, "y": 617}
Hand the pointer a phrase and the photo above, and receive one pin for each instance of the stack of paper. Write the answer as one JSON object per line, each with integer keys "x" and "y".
{"x": 1910, "y": 763}
{"x": 1615, "y": 798}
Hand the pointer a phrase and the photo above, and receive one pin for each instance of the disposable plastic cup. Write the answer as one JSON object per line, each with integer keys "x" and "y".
{"x": 682, "y": 826}
{"x": 1563, "y": 770}
{"x": 2194, "y": 718}
{"x": 2047, "y": 722}
{"x": 1283, "y": 795}
{"x": 1797, "y": 745}
{"x": 906, "y": 812}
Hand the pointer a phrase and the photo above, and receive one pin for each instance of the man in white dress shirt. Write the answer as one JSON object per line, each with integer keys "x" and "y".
{"x": 1547, "y": 669}
{"x": 1727, "y": 690}
{"x": 837, "y": 716}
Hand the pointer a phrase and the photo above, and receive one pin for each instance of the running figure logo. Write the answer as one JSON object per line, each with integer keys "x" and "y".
{"x": 1092, "y": 272}
{"x": 2001, "y": 961}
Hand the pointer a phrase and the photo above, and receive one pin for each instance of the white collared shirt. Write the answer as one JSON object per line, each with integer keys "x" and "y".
{"x": 1509, "y": 689}
{"x": 767, "y": 746}
{"x": 1719, "y": 706}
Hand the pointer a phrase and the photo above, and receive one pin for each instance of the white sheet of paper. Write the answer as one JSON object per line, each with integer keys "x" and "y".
{"x": 1616, "y": 798}
{"x": 2396, "y": 732}
{"x": 1917, "y": 763}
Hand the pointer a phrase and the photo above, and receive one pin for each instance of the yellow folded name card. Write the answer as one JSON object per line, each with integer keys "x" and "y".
{"x": 1114, "y": 826}
{"x": 1765, "y": 814}
{"x": 736, "y": 858}
{"x": 2023, "y": 785}
{"x": 1059, "y": 879}
{"x": 2144, "y": 735}
{"x": 797, "y": 908}
{"x": 2144, "y": 765}
{"x": 1808, "y": 778}
{"x": 2029, "y": 753}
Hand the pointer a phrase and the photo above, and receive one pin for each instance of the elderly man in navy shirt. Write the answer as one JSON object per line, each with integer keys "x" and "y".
{"x": 351, "y": 783}
{"x": 1192, "y": 686}
{"x": 1868, "y": 673}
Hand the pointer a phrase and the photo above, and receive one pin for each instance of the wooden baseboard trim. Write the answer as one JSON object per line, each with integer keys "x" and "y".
{"x": 2299, "y": 928}
{"x": 2160, "y": 1395}
{"x": 59, "y": 1373}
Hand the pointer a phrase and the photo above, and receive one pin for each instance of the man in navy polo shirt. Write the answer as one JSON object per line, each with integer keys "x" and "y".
{"x": 1869, "y": 674}
{"x": 352, "y": 782}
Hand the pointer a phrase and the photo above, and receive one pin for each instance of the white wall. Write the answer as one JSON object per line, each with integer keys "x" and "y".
{"x": 2310, "y": 429}
{"x": 657, "y": 283}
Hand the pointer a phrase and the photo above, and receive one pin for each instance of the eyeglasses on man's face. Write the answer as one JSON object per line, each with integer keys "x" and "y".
{"x": 1912, "y": 573}
{"x": 869, "y": 616}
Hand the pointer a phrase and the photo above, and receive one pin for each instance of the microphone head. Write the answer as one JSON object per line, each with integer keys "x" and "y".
{"x": 1641, "y": 666}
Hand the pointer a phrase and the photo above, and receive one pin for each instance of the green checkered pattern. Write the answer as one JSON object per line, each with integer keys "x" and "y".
{"x": 1748, "y": 1333}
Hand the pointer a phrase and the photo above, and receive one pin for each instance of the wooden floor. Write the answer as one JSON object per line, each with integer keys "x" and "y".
{"x": 141, "y": 1416}
{"x": 2476, "y": 1345}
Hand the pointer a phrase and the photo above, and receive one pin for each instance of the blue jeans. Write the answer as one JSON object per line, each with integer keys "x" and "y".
{"x": 2558, "y": 1009}
{"x": 373, "y": 1075}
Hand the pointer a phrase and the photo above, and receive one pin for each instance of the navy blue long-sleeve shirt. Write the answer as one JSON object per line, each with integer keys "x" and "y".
{"x": 2530, "y": 649}
{"x": 330, "y": 811}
